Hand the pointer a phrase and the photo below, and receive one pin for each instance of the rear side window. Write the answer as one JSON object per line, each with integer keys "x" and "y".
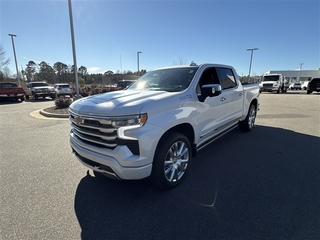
{"x": 227, "y": 79}
{"x": 8, "y": 85}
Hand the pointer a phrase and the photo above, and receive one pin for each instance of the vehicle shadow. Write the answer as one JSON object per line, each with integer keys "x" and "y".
{"x": 31, "y": 100}
{"x": 9, "y": 101}
{"x": 259, "y": 185}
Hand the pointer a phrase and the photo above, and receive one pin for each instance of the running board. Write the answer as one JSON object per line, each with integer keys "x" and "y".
{"x": 216, "y": 137}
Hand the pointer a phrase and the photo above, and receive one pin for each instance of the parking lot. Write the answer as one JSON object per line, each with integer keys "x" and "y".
{"x": 264, "y": 184}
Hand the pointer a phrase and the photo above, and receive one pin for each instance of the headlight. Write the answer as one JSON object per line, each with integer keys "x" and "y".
{"x": 127, "y": 123}
{"x": 133, "y": 120}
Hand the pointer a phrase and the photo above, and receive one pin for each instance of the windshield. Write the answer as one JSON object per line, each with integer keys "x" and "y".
{"x": 170, "y": 80}
{"x": 270, "y": 78}
{"x": 40, "y": 84}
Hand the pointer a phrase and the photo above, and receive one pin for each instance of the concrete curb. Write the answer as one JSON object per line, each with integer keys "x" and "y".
{"x": 53, "y": 115}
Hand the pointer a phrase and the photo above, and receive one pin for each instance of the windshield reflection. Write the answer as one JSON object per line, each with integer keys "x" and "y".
{"x": 170, "y": 79}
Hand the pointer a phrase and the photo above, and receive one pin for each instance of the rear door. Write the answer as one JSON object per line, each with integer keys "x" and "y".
{"x": 233, "y": 93}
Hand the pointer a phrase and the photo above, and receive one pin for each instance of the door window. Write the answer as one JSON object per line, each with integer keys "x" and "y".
{"x": 227, "y": 79}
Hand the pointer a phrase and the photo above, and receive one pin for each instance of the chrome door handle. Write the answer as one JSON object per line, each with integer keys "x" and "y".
{"x": 222, "y": 99}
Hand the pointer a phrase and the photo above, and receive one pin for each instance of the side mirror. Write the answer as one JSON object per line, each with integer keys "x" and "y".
{"x": 209, "y": 90}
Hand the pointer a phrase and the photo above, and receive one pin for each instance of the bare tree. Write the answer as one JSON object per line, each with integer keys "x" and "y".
{"x": 3, "y": 60}
{"x": 180, "y": 62}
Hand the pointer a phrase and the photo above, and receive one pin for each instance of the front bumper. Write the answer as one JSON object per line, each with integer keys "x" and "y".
{"x": 111, "y": 162}
{"x": 12, "y": 95}
{"x": 268, "y": 89}
{"x": 64, "y": 93}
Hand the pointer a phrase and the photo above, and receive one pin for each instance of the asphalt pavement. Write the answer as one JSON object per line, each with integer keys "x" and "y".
{"x": 264, "y": 184}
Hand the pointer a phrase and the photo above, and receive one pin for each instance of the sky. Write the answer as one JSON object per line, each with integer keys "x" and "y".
{"x": 109, "y": 33}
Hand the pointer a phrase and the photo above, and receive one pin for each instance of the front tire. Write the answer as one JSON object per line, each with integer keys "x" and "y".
{"x": 248, "y": 123}
{"x": 171, "y": 160}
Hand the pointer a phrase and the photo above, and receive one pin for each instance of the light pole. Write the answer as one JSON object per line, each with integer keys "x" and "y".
{"x": 73, "y": 50}
{"x": 138, "y": 61}
{"x": 300, "y": 71}
{"x": 251, "y": 49}
{"x": 15, "y": 58}
{"x": 301, "y": 66}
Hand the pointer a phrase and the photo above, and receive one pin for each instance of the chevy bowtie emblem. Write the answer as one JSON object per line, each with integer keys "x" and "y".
{"x": 78, "y": 120}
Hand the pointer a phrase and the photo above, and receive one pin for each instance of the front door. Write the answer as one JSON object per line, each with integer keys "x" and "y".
{"x": 212, "y": 111}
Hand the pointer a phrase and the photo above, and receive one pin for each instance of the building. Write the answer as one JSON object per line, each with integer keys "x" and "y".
{"x": 297, "y": 75}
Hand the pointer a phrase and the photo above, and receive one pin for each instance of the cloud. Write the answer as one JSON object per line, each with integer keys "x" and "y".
{"x": 36, "y": 61}
{"x": 93, "y": 70}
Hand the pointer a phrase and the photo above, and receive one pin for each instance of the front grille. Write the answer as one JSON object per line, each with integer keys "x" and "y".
{"x": 44, "y": 90}
{"x": 99, "y": 132}
{"x": 267, "y": 85}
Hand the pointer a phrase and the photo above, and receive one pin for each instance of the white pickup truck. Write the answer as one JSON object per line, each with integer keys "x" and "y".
{"x": 274, "y": 83}
{"x": 158, "y": 124}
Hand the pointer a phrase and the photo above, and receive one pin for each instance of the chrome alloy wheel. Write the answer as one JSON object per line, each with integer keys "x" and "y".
{"x": 176, "y": 161}
{"x": 252, "y": 117}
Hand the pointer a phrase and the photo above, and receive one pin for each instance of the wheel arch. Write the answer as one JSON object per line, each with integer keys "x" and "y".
{"x": 185, "y": 129}
{"x": 255, "y": 103}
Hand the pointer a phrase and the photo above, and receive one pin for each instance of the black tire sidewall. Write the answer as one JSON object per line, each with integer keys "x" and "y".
{"x": 158, "y": 175}
{"x": 244, "y": 125}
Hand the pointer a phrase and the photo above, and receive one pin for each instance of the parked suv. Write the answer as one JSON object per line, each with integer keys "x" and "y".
{"x": 39, "y": 89}
{"x": 63, "y": 89}
{"x": 313, "y": 85}
{"x": 125, "y": 83}
{"x": 304, "y": 86}
{"x": 296, "y": 86}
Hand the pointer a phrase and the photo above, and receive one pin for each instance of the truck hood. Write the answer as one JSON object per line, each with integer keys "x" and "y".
{"x": 118, "y": 103}
{"x": 43, "y": 87}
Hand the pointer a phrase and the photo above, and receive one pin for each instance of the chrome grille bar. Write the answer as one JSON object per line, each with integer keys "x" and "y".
{"x": 86, "y": 132}
{"x": 94, "y": 130}
{"x": 88, "y": 139}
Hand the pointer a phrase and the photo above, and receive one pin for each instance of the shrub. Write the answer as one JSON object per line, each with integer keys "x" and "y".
{"x": 62, "y": 102}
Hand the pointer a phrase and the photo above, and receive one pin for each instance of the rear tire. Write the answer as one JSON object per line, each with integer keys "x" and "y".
{"x": 248, "y": 123}
{"x": 308, "y": 91}
{"x": 171, "y": 160}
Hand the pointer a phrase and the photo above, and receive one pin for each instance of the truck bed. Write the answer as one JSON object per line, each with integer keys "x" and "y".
{"x": 11, "y": 91}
